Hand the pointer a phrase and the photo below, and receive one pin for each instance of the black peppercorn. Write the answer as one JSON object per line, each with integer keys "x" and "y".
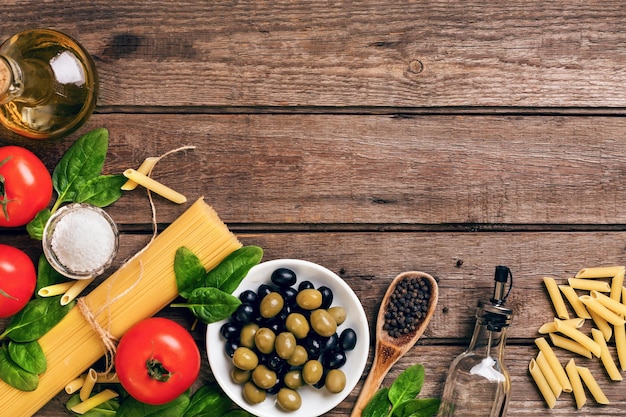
{"x": 407, "y": 306}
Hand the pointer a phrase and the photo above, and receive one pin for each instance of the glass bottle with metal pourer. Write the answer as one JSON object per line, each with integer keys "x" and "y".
{"x": 478, "y": 383}
{"x": 48, "y": 84}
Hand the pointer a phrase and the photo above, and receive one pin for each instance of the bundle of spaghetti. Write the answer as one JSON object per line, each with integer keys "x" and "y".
{"x": 141, "y": 287}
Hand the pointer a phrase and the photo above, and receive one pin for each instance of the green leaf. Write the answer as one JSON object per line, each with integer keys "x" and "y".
{"x": 46, "y": 275}
{"x": 35, "y": 226}
{"x": 100, "y": 191}
{"x": 235, "y": 413}
{"x": 378, "y": 405}
{"x": 418, "y": 407}
{"x": 107, "y": 409}
{"x": 15, "y": 375}
{"x": 211, "y": 304}
{"x": 189, "y": 271}
{"x": 208, "y": 400}
{"x": 29, "y": 356}
{"x": 407, "y": 385}
{"x": 36, "y": 319}
{"x": 133, "y": 408}
{"x": 233, "y": 269}
{"x": 83, "y": 161}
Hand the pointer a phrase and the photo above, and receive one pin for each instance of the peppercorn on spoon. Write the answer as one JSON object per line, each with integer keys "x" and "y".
{"x": 388, "y": 349}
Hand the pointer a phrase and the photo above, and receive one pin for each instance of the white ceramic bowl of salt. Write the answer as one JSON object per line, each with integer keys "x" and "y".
{"x": 80, "y": 241}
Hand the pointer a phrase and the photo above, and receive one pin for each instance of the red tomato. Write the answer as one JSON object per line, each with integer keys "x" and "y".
{"x": 25, "y": 186}
{"x": 17, "y": 280}
{"x": 157, "y": 360}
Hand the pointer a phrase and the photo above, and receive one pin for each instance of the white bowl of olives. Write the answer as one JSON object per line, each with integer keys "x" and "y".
{"x": 298, "y": 344}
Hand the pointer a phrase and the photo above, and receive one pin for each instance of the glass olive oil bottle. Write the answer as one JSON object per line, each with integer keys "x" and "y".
{"x": 48, "y": 84}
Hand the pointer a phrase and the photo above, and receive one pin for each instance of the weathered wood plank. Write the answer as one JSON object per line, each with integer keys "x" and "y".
{"x": 366, "y": 53}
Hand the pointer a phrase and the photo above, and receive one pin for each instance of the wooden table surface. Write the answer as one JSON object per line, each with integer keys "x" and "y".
{"x": 373, "y": 137}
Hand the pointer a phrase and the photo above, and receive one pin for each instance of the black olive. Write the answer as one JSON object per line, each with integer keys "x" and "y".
{"x": 230, "y": 347}
{"x": 263, "y": 290}
{"x": 289, "y": 295}
{"x": 333, "y": 359}
{"x": 248, "y": 296}
{"x": 278, "y": 364}
{"x": 245, "y": 313}
{"x": 327, "y": 296}
{"x": 331, "y": 342}
{"x": 230, "y": 330}
{"x": 320, "y": 384}
{"x": 279, "y": 384}
{"x": 313, "y": 347}
{"x": 284, "y": 277}
{"x": 347, "y": 340}
{"x": 305, "y": 285}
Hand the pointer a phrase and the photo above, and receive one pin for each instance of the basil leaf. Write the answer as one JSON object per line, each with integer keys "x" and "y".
{"x": 211, "y": 304}
{"x": 106, "y": 409}
{"x": 100, "y": 191}
{"x": 189, "y": 271}
{"x": 36, "y": 319}
{"x": 46, "y": 275}
{"x": 83, "y": 161}
{"x": 418, "y": 407}
{"x": 133, "y": 408}
{"x": 29, "y": 356}
{"x": 407, "y": 385}
{"x": 208, "y": 400}
{"x": 379, "y": 405}
{"x": 35, "y": 226}
{"x": 233, "y": 269}
{"x": 14, "y": 375}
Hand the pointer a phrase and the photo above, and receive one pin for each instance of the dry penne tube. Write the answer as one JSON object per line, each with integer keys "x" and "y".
{"x": 620, "y": 345}
{"x": 592, "y": 385}
{"x": 96, "y": 400}
{"x": 605, "y": 356}
{"x": 542, "y": 384}
{"x": 578, "y": 336}
{"x": 110, "y": 378}
{"x": 55, "y": 289}
{"x": 548, "y": 373}
{"x": 599, "y": 272}
{"x": 74, "y": 291}
{"x": 623, "y": 293}
{"x": 610, "y": 303}
{"x": 90, "y": 382}
{"x": 75, "y": 385}
{"x": 145, "y": 168}
{"x": 589, "y": 284}
{"x": 616, "y": 285}
{"x": 602, "y": 325}
{"x": 155, "y": 186}
{"x": 555, "y": 296}
{"x": 594, "y": 305}
{"x": 569, "y": 344}
{"x": 572, "y": 298}
{"x": 556, "y": 366}
{"x": 550, "y": 327}
{"x": 577, "y": 386}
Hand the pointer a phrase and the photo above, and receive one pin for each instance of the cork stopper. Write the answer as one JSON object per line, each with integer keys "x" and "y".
{"x": 5, "y": 76}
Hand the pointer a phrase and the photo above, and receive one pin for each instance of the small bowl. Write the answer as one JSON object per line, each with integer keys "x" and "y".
{"x": 315, "y": 402}
{"x": 67, "y": 245}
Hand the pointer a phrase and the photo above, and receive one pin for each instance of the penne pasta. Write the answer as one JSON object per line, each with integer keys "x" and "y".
{"x": 620, "y": 345}
{"x": 558, "y": 370}
{"x": 55, "y": 289}
{"x": 550, "y": 327}
{"x": 602, "y": 325}
{"x": 542, "y": 384}
{"x": 75, "y": 385}
{"x": 605, "y": 356}
{"x": 599, "y": 272}
{"x": 572, "y": 298}
{"x": 594, "y": 305}
{"x": 610, "y": 303}
{"x": 588, "y": 284}
{"x": 96, "y": 400}
{"x": 145, "y": 168}
{"x": 103, "y": 378}
{"x": 578, "y": 336}
{"x": 88, "y": 384}
{"x": 547, "y": 372}
{"x": 577, "y": 386}
{"x": 555, "y": 296}
{"x": 592, "y": 385}
{"x": 616, "y": 285}
{"x": 74, "y": 291}
{"x": 569, "y": 344}
{"x": 155, "y": 186}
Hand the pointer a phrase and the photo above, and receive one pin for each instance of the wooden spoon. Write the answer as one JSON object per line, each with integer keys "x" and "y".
{"x": 390, "y": 349}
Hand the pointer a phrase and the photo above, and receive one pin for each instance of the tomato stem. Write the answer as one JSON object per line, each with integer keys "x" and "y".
{"x": 7, "y": 295}
{"x": 157, "y": 371}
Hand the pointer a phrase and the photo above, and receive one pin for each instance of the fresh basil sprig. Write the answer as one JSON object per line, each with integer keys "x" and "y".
{"x": 77, "y": 178}
{"x": 399, "y": 399}
{"x": 208, "y": 294}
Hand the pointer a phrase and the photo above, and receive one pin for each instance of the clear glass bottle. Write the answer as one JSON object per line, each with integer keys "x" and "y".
{"x": 48, "y": 84}
{"x": 478, "y": 382}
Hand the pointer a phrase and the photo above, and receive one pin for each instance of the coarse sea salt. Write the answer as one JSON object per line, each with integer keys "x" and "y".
{"x": 83, "y": 241}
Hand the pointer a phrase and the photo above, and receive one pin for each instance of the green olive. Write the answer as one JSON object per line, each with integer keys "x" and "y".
{"x": 252, "y": 393}
{"x": 246, "y": 337}
{"x": 264, "y": 340}
{"x": 285, "y": 345}
{"x": 263, "y": 377}
{"x": 299, "y": 357}
{"x": 244, "y": 358}
{"x": 323, "y": 323}
{"x": 271, "y": 305}
{"x": 297, "y": 324}
{"x": 239, "y": 376}
{"x": 309, "y": 299}
{"x": 335, "y": 381}
{"x": 312, "y": 372}
{"x": 339, "y": 314}
{"x": 289, "y": 399}
{"x": 293, "y": 379}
